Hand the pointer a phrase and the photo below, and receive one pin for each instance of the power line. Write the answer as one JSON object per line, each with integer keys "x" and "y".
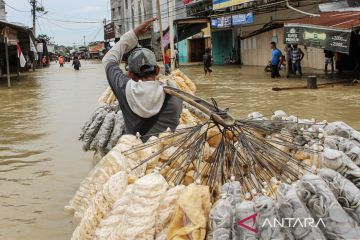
{"x": 18, "y": 10}
{"x": 70, "y": 21}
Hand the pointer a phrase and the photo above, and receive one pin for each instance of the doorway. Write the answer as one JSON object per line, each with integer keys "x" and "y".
{"x": 196, "y": 49}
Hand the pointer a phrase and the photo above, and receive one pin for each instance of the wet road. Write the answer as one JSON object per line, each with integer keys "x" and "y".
{"x": 41, "y": 161}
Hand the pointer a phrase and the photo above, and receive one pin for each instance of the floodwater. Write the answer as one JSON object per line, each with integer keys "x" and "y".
{"x": 42, "y": 163}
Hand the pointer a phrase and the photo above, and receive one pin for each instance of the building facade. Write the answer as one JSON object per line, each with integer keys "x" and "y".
{"x": 126, "y": 14}
{"x": 2, "y": 11}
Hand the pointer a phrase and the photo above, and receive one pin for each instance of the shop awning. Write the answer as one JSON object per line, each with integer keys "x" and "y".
{"x": 186, "y": 28}
{"x": 267, "y": 27}
{"x": 330, "y": 31}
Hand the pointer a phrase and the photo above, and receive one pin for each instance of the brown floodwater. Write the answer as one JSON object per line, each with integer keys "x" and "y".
{"x": 42, "y": 163}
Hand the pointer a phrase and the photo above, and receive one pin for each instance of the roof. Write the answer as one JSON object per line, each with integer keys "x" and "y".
{"x": 339, "y": 20}
{"x": 18, "y": 27}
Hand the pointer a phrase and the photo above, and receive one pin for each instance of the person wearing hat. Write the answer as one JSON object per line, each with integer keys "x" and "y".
{"x": 145, "y": 106}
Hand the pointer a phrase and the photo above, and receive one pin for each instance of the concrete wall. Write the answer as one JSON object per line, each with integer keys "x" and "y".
{"x": 117, "y": 14}
{"x": 179, "y": 12}
{"x": 256, "y": 50}
{"x": 2, "y": 10}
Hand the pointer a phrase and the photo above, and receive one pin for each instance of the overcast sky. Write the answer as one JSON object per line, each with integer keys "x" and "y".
{"x": 59, "y": 11}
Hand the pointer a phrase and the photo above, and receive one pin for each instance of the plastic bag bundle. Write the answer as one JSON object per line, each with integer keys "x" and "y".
{"x": 107, "y": 97}
{"x": 112, "y": 163}
{"x": 108, "y": 225}
{"x": 266, "y": 210}
{"x": 323, "y": 205}
{"x": 338, "y": 161}
{"x": 166, "y": 211}
{"x": 191, "y": 215}
{"x": 347, "y": 194}
{"x": 290, "y": 206}
{"x": 140, "y": 213}
{"x": 119, "y": 128}
{"x": 100, "y": 206}
{"x": 102, "y": 137}
{"x": 97, "y": 132}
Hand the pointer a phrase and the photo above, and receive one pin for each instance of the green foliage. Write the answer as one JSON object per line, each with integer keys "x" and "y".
{"x": 45, "y": 37}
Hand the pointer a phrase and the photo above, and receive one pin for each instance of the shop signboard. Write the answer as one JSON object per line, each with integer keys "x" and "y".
{"x": 96, "y": 47}
{"x": 336, "y": 40}
{"x": 219, "y": 4}
{"x": 40, "y": 47}
{"x": 194, "y": 8}
{"x": 221, "y": 22}
{"x": 242, "y": 19}
{"x": 292, "y": 35}
{"x": 51, "y": 48}
{"x": 109, "y": 31}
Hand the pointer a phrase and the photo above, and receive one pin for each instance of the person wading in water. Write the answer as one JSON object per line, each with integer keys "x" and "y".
{"x": 276, "y": 61}
{"x": 145, "y": 106}
{"x": 76, "y": 63}
{"x": 208, "y": 60}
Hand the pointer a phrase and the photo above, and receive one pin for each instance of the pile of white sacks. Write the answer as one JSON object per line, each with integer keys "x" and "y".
{"x": 114, "y": 202}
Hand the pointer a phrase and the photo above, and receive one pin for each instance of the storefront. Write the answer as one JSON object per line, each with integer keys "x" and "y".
{"x": 337, "y": 32}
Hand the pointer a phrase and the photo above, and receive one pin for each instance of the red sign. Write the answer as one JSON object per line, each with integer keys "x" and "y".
{"x": 187, "y": 1}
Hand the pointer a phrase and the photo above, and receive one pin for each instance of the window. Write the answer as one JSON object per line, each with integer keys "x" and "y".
{"x": 119, "y": 11}
{"x": 113, "y": 13}
{"x": 126, "y": 4}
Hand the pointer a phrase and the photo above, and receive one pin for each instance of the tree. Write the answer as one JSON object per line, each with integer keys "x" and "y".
{"x": 45, "y": 37}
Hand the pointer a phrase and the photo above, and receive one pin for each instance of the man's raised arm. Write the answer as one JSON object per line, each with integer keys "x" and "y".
{"x": 127, "y": 42}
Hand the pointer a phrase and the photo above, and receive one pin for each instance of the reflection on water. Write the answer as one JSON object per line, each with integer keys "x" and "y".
{"x": 41, "y": 161}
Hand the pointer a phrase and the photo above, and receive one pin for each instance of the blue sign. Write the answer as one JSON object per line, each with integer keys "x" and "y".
{"x": 221, "y": 22}
{"x": 242, "y": 19}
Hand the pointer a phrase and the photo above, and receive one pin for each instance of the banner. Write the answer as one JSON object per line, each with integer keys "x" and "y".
{"x": 335, "y": 40}
{"x": 221, "y": 22}
{"x": 20, "y": 56}
{"x": 242, "y": 19}
{"x": 32, "y": 45}
{"x": 219, "y": 4}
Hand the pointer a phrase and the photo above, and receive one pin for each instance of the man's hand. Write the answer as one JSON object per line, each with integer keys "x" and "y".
{"x": 144, "y": 27}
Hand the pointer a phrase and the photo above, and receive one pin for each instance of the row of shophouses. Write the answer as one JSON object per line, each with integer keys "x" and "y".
{"x": 240, "y": 31}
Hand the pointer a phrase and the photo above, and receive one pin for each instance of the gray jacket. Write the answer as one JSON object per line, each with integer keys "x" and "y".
{"x": 169, "y": 111}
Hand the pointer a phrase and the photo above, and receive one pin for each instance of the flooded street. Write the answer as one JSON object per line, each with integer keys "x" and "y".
{"x": 41, "y": 160}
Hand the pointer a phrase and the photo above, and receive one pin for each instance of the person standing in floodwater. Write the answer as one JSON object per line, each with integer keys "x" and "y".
{"x": 288, "y": 50}
{"x": 276, "y": 60}
{"x": 61, "y": 61}
{"x": 297, "y": 56}
{"x": 76, "y": 63}
{"x": 329, "y": 59}
{"x": 208, "y": 60}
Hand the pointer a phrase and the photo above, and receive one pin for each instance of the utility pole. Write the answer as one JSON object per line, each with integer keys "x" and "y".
{"x": 33, "y": 13}
{"x": 84, "y": 41}
{"x": 161, "y": 29}
{"x": 171, "y": 8}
